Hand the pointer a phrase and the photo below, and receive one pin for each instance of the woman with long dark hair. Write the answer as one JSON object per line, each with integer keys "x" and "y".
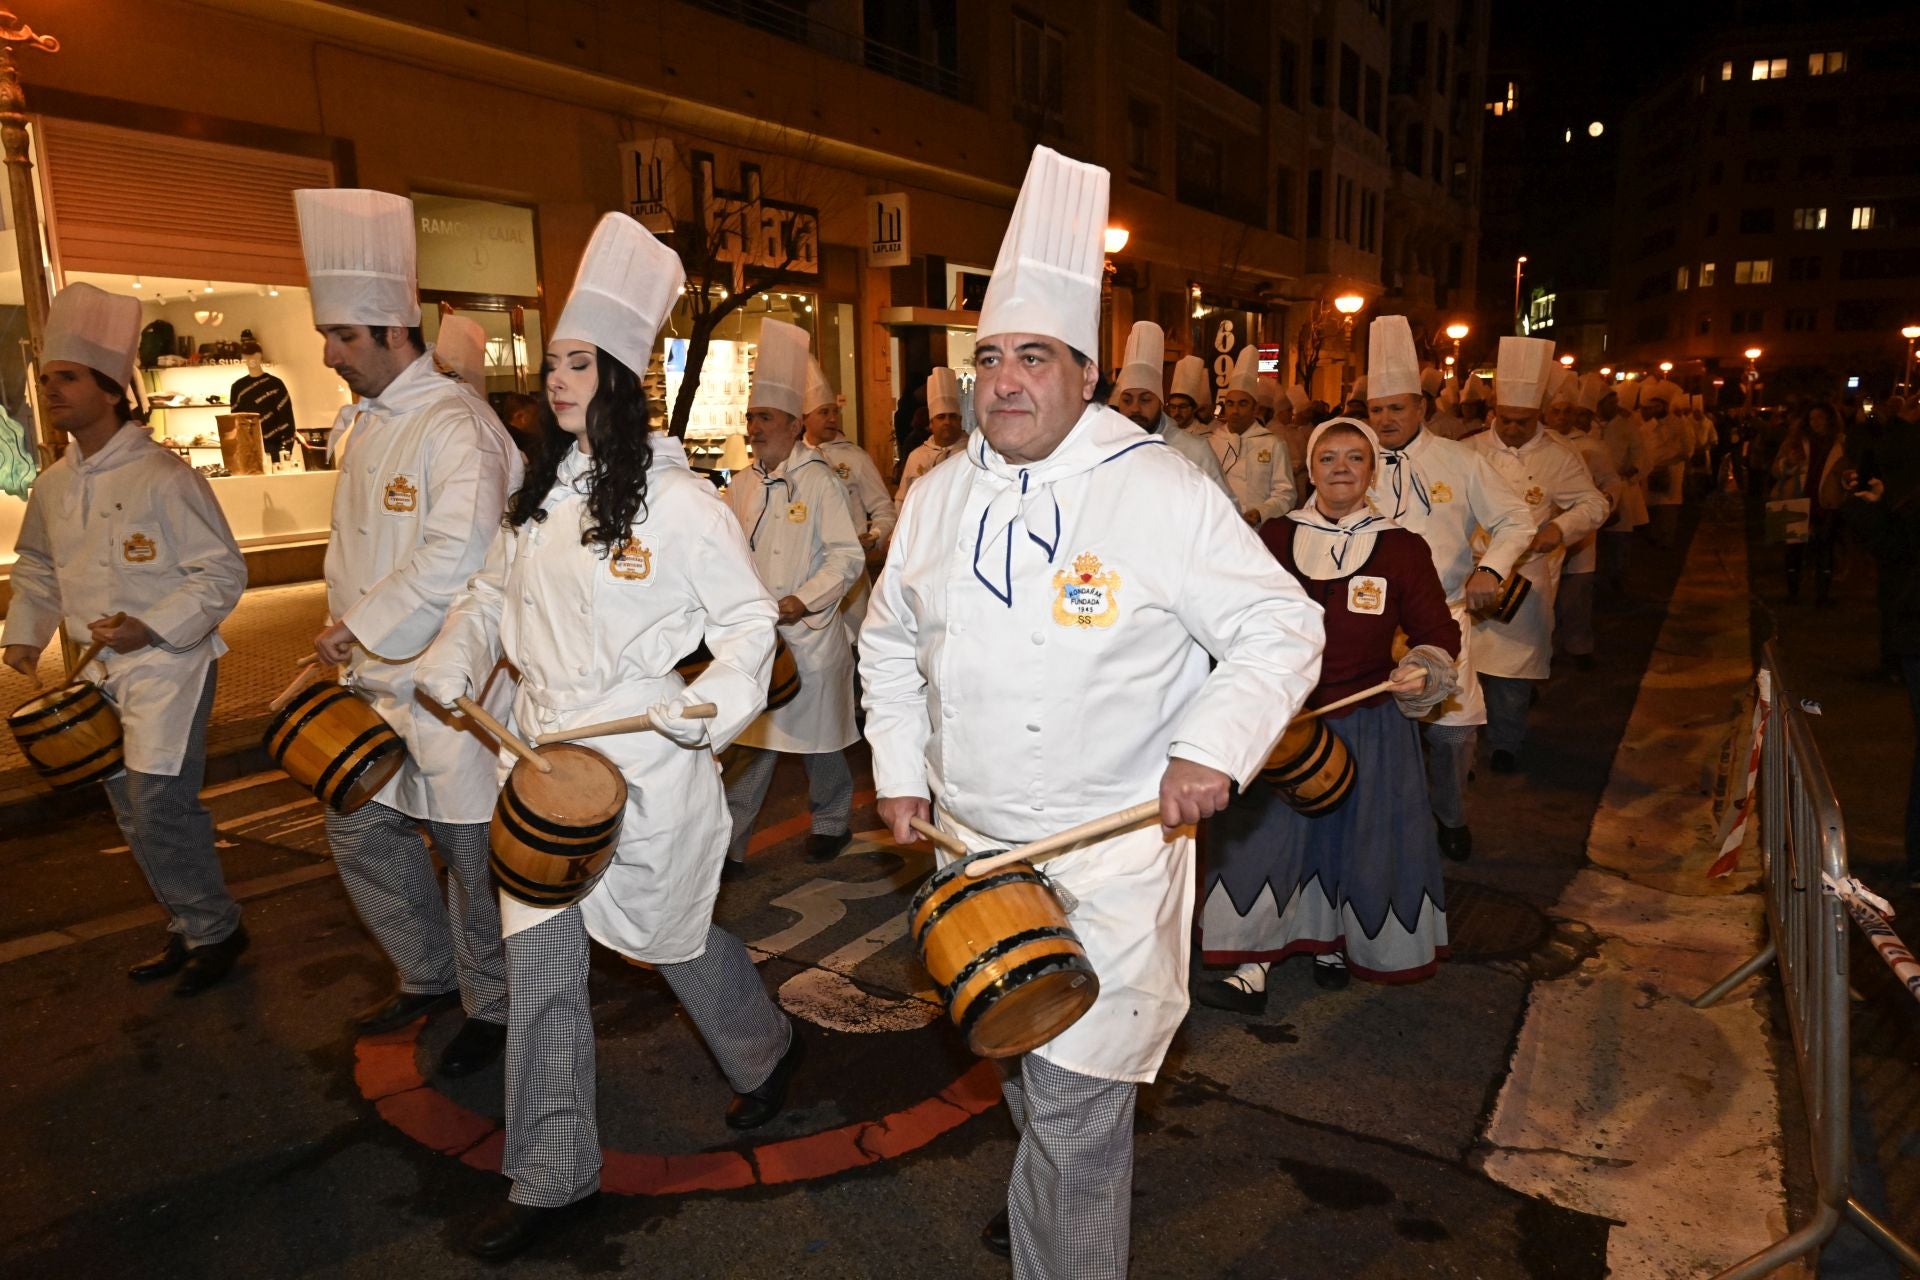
{"x": 616, "y": 561}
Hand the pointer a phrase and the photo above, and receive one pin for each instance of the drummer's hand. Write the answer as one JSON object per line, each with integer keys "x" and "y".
{"x": 121, "y": 633}
{"x": 670, "y": 722}
{"x": 1410, "y": 678}
{"x": 1190, "y": 792}
{"x": 792, "y": 609}
{"x": 1483, "y": 588}
{"x": 897, "y": 811}
{"x": 1251, "y": 516}
{"x": 445, "y": 685}
{"x": 1550, "y": 538}
{"x": 334, "y": 643}
{"x": 23, "y": 658}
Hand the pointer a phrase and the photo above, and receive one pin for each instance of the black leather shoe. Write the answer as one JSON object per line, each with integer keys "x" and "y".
{"x": 1330, "y": 977}
{"x": 402, "y": 1007}
{"x": 998, "y": 1236}
{"x": 1218, "y": 993}
{"x": 162, "y": 964}
{"x": 751, "y": 1110}
{"x": 509, "y": 1228}
{"x": 207, "y": 965}
{"x": 826, "y": 848}
{"x": 473, "y": 1048}
{"x": 1456, "y": 843}
{"x": 733, "y": 869}
{"x": 1505, "y": 762}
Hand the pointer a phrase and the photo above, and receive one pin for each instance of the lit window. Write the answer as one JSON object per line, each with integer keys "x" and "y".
{"x": 1726, "y": 71}
{"x": 1863, "y": 217}
{"x": 1826, "y": 64}
{"x": 1753, "y": 271}
{"x": 1706, "y": 274}
{"x": 1770, "y": 69}
{"x": 1809, "y": 219}
{"x": 1568, "y": 137}
{"x": 1683, "y": 279}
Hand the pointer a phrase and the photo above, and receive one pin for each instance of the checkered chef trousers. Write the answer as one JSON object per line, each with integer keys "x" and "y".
{"x": 1069, "y": 1203}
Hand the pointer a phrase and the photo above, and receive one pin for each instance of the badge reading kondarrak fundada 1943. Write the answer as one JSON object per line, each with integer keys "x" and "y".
{"x": 1087, "y": 597}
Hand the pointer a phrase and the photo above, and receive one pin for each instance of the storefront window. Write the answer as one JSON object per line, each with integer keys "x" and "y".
{"x": 726, "y": 373}
{"x": 480, "y": 259}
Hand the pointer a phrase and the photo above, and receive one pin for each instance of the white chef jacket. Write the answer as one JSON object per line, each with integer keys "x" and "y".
{"x": 1445, "y": 425}
{"x": 1295, "y": 436}
{"x": 923, "y": 459}
{"x": 1445, "y": 491}
{"x": 131, "y": 529}
{"x": 873, "y": 511}
{"x": 1669, "y": 444}
{"x": 594, "y": 638}
{"x": 1584, "y": 556}
{"x": 1038, "y": 647}
{"x": 1627, "y": 448}
{"x": 1258, "y": 470}
{"x": 1195, "y": 450}
{"x": 803, "y": 543}
{"x": 1556, "y": 487}
{"x": 425, "y": 470}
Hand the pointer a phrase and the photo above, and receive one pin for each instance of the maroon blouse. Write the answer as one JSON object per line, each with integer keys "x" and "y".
{"x": 1396, "y": 589}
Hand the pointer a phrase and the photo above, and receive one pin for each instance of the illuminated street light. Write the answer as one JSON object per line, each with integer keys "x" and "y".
{"x": 1911, "y": 332}
{"x": 1606, "y": 371}
{"x": 1752, "y": 353}
{"x": 1457, "y": 330}
{"x": 1666, "y": 366}
{"x": 1348, "y": 303}
{"x": 1519, "y": 266}
{"x": 1595, "y": 129}
{"x": 1566, "y": 361}
{"x": 1116, "y": 239}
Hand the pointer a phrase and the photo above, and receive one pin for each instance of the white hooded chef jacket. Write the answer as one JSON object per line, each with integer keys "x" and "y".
{"x": 1583, "y": 556}
{"x": 595, "y": 637}
{"x": 425, "y": 470}
{"x": 804, "y": 544}
{"x": 1445, "y": 491}
{"x": 131, "y": 529}
{"x": 873, "y": 511}
{"x": 1257, "y": 468}
{"x": 1039, "y": 646}
{"x": 1195, "y": 450}
{"x": 1555, "y": 486}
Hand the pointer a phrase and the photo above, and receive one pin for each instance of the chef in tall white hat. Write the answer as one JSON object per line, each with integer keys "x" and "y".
{"x": 1294, "y": 427}
{"x": 1136, "y": 393}
{"x": 1573, "y": 607}
{"x": 944, "y": 429}
{"x": 1669, "y": 442}
{"x": 807, "y": 549}
{"x": 868, "y": 500}
{"x": 424, "y": 473}
{"x": 1037, "y": 655}
{"x": 1190, "y": 395}
{"x": 460, "y": 348}
{"x": 1563, "y": 507}
{"x": 123, "y": 545}
{"x": 1444, "y": 418}
{"x": 617, "y": 560}
{"x": 1619, "y": 430}
{"x": 1254, "y": 460}
{"x": 1473, "y": 406}
{"x": 1447, "y": 493}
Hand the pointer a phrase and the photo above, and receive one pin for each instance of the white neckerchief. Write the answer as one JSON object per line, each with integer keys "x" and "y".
{"x": 1325, "y": 548}
{"x": 1404, "y": 470}
{"x": 803, "y": 454}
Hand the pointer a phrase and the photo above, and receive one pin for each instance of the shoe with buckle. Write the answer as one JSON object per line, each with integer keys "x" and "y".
{"x": 207, "y": 965}
{"x": 402, "y": 1007}
{"x": 1225, "y": 993}
{"x": 473, "y": 1047}
{"x": 1330, "y": 973}
{"x": 754, "y": 1108}
{"x": 163, "y": 963}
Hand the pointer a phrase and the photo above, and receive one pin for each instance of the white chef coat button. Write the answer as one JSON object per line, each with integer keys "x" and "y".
{"x": 946, "y": 713}
{"x": 586, "y": 608}
{"x": 1037, "y": 807}
{"x": 580, "y": 670}
{"x": 103, "y": 560}
{"x": 959, "y": 629}
{"x": 1038, "y": 638}
{"x": 363, "y": 528}
{"x": 526, "y": 599}
{"x": 1033, "y": 728}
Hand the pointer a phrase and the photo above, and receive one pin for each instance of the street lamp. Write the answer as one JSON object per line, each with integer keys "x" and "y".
{"x": 1566, "y": 361}
{"x": 1910, "y": 333}
{"x": 1666, "y": 366}
{"x": 1753, "y": 374}
{"x": 1348, "y": 305}
{"x": 1519, "y": 265}
{"x": 1458, "y": 331}
{"x": 1114, "y": 241}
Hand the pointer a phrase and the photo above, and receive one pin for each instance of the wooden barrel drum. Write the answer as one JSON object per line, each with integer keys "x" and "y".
{"x": 1311, "y": 767}
{"x": 1006, "y": 962}
{"x": 71, "y": 735}
{"x": 553, "y": 833}
{"x": 783, "y": 686}
{"x": 332, "y": 742}
{"x": 1513, "y": 594}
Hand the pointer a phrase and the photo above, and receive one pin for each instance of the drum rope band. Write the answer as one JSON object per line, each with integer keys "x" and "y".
{"x": 1007, "y": 945}
{"x": 1015, "y": 978}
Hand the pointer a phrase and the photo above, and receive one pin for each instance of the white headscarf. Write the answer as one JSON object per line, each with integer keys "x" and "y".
{"x": 1325, "y": 548}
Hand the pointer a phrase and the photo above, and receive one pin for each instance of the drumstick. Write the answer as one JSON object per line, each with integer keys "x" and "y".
{"x": 950, "y": 843}
{"x": 300, "y": 679}
{"x": 625, "y": 724}
{"x": 87, "y": 655}
{"x": 308, "y": 661}
{"x": 1127, "y": 817}
{"x": 506, "y": 739}
{"x": 1348, "y": 701}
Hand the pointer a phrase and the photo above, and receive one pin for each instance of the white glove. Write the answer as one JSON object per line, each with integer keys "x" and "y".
{"x": 445, "y": 684}
{"x": 676, "y": 728}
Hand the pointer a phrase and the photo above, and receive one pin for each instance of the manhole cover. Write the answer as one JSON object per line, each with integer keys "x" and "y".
{"x": 1486, "y": 924}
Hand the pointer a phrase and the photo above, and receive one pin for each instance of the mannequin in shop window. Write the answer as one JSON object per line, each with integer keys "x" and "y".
{"x": 262, "y": 393}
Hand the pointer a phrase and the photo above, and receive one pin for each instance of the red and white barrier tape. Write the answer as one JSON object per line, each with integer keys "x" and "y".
{"x": 1870, "y": 912}
{"x": 1740, "y": 810}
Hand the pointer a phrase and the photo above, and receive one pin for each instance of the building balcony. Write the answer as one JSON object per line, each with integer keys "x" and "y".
{"x": 790, "y": 21}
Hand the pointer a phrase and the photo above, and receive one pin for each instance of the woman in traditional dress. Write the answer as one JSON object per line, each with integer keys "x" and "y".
{"x": 1357, "y": 887}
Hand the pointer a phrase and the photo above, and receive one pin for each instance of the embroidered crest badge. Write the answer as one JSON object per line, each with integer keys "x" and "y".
{"x": 843, "y": 470}
{"x": 1266, "y": 456}
{"x": 138, "y": 548}
{"x": 1536, "y": 496}
{"x": 401, "y": 495}
{"x": 1087, "y": 597}
{"x": 633, "y": 562}
{"x": 1366, "y": 595}
{"x": 1441, "y": 492}
{"x": 797, "y": 513}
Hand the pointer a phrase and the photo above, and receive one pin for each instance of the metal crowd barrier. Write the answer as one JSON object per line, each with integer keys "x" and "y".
{"x": 1803, "y": 840}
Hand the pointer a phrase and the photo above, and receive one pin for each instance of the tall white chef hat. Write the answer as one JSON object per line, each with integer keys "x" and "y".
{"x": 1563, "y": 385}
{"x": 1299, "y": 398}
{"x": 1393, "y": 366}
{"x": 943, "y": 392}
{"x": 1431, "y": 380}
{"x": 1659, "y": 389}
{"x": 1046, "y": 279}
{"x": 1520, "y": 372}
{"x": 626, "y": 286}
{"x": 1361, "y": 388}
{"x": 1144, "y": 368}
{"x": 1475, "y": 390}
{"x": 1629, "y": 395}
{"x": 95, "y": 328}
{"x": 1699, "y": 404}
{"x": 359, "y": 250}
{"x": 1245, "y": 377}
{"x": 461, "y": 349}
{"x": 1593, "y": 389}
{"x": 780, "y": 369}
{"x": 820, "y": 392}
{"x": 1449, "y": 397}
{"x": 1267, "y": 393}
{"x": 1190, "y": 380}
